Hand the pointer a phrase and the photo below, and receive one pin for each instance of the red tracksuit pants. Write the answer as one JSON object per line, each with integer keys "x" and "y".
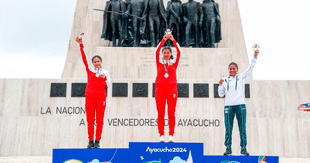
{"x": 161, "y": 96}
{"x": 95, "y": 107}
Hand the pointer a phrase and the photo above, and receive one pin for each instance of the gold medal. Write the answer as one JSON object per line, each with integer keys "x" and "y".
{"x": 166, "y": 75}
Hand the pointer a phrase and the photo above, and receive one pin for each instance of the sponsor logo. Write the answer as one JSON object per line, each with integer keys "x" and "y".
{"x": 177, "y": 159}
{"x": 226, "y": 161}
{"x": 97, "y": 161}
{"x": 166, "y": 149}
{"x": 262, "y": 159}
{"x": 304, "y": 107}
{"x": 103, "y": 102}
{"x": 73, "y": 161}
{"x": 226, "y": 110}
{"x": 174, "y": 95}
{"x": 159, "y": 161}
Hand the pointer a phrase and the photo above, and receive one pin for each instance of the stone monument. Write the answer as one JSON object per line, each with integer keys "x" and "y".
{"x": 38, "y": 115}
{"x": 174, "y": 18}
{"x": 114, "y": 23}
{"x": 143, "y": 22}
{"x": 210, "y": 23}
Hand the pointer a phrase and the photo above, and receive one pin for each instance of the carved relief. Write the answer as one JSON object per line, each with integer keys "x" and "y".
{"x": 58, "y": 89}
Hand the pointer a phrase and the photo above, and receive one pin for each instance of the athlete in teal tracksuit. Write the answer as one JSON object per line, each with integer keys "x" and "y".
{"x": 233, "y": 89}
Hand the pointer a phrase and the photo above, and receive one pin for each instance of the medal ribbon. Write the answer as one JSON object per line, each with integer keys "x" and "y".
{"x": 166, "y": 69}
{"x": 236, "y": 83}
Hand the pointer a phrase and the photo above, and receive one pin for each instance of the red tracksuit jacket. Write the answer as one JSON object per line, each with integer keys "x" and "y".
{"x": 95, "y": 86}
{"x": 171, "y": 81}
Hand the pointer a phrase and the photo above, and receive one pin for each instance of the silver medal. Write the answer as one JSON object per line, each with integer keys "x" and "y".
{"x": 98, "y": 73}
{"x": 166, "y": 75}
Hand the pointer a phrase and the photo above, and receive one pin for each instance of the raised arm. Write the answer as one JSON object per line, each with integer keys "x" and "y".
{"x": 84, "y": 57}
{"x": 157, "y": 50}
{"x": 245, "y": 75}
{"x": 179, "y": 51}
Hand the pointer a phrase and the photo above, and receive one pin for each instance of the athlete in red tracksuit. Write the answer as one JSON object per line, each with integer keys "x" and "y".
{"x": 97, "y": 81}
{"x": 166, "y": 86}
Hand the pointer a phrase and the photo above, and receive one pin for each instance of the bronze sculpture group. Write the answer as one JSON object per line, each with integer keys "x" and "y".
{"x": 141, "y": 23}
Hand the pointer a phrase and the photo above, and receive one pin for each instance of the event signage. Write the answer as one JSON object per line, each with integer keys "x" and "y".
{"x": 145, "y": 152}
{"x": 153, "y": 152}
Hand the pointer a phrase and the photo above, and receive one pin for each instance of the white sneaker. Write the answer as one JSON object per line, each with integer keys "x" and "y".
{"x": 171, "y": 139}
{"x": 162, "y": 139}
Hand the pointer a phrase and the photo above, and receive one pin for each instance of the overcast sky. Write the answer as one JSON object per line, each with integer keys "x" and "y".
{"x": 34, "y": 37}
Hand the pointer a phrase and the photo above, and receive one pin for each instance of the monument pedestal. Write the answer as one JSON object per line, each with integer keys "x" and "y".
{"x": 32, "y": 122}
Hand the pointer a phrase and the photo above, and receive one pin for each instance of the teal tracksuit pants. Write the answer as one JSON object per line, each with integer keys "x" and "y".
{"x": 240, "y": 112}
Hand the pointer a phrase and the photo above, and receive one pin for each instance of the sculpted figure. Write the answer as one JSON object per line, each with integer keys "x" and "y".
{"x": 192, "y": 13}
{"x": 113, "y": 24}
{"x": 154, "y": 14}
{"x": 128, "y": 40}
{"x": 211, "y": 22}
{"x": 136, "y": 8}
{"x": 174, "y": 15}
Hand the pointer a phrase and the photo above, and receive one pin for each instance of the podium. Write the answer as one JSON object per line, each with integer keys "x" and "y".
{"x": 99, "y": 155}
{"x": 151, "y": 152}
{"x": 241, "y": 159}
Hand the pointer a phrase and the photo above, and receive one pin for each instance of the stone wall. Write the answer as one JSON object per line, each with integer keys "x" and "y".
{"x": 274, "y": 126}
